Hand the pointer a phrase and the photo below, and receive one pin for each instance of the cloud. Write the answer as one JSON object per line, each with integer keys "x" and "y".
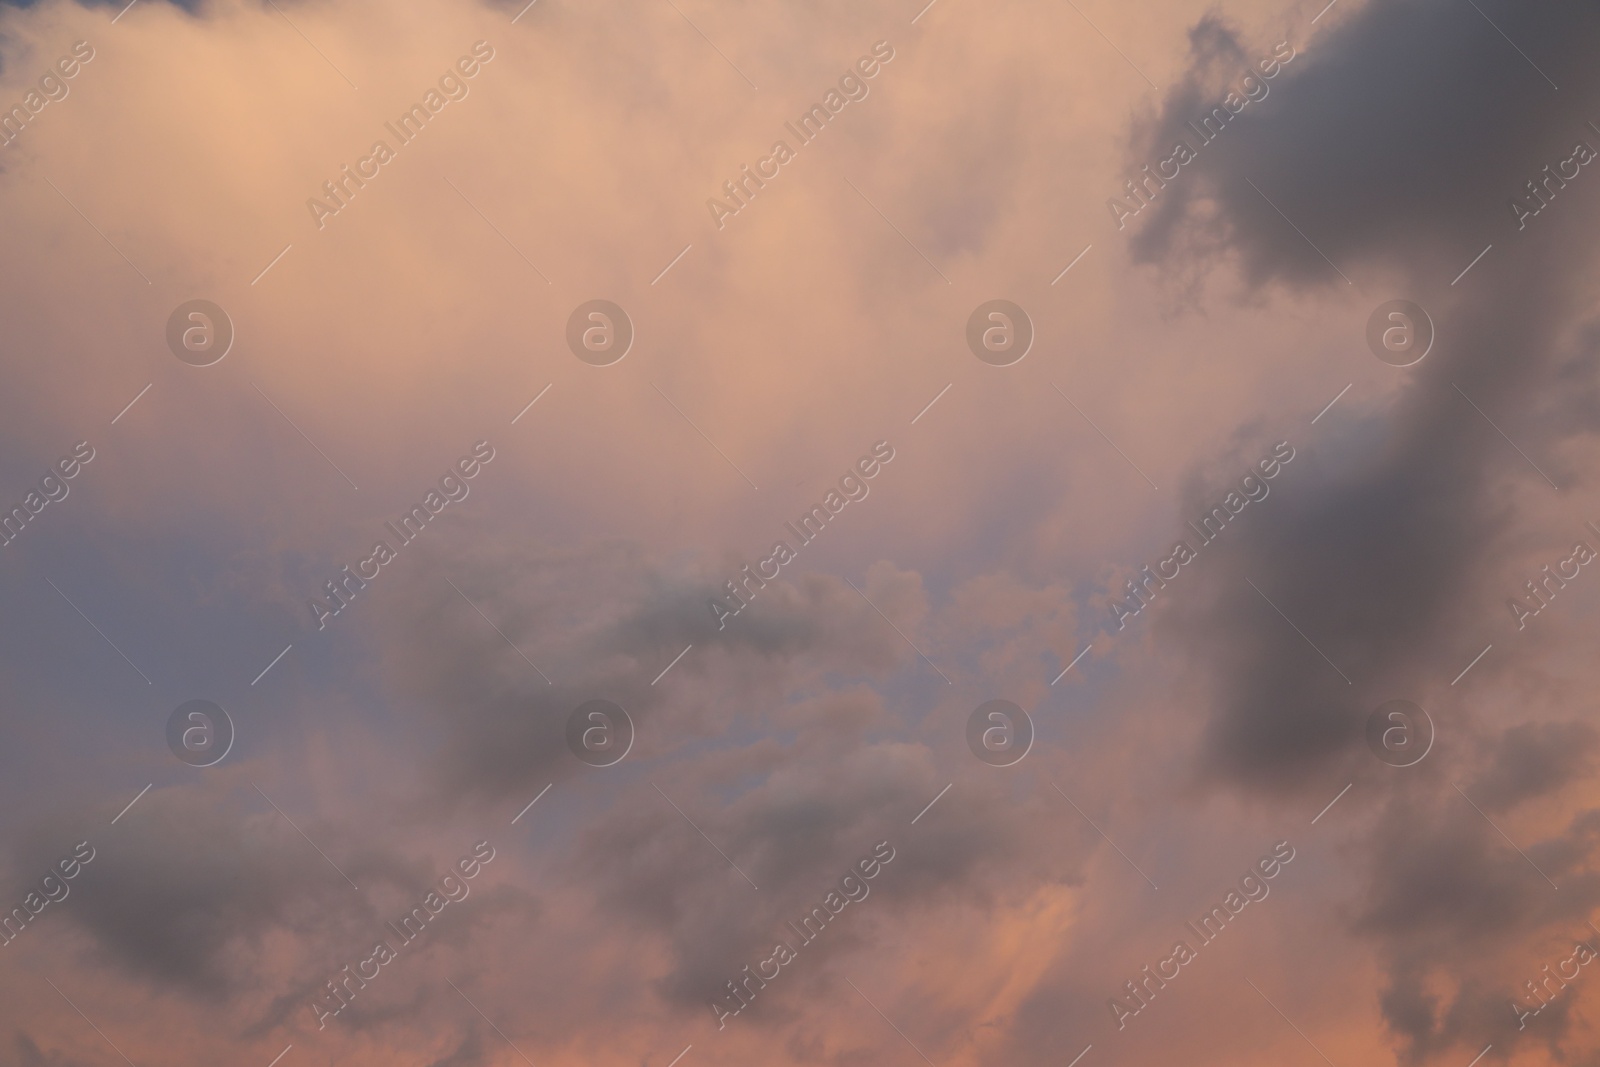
{"x": 808, "y": 728}
{"x": 1357, "y": 144}
{"x": 1532, "y": 760}
{"x": 471, "y": 1052}
{"x": 602, "y": 623}
{"x": 1375, "y": 556}
{"x": 1380, "y": 164}
{"x": 29, "y": 1054}
{"x": 187, "y": 893}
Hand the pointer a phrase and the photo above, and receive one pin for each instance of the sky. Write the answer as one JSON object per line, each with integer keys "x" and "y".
{"x": 677, "y": 534}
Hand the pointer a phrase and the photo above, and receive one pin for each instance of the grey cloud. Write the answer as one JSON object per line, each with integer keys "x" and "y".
{"x": 503, "y": 725}
{"x": 189, "y": 889}
{"x": 183, "y": 892}
{"x": 1449, "y": 897}
{"x": 1388, "y": 155}
{"x": 29, "y": 1054}
{"x": 1393, "y": 142}
{"x": 796, "y": 834}
{"x": 1533, "y": 760}
{"x": 1395, "y": 137}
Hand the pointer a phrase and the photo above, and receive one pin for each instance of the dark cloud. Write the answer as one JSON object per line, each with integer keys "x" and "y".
{"x": 184, "y": 892}
{"x": 1395, "y": 138}
{"x": 29, "y": 1054}
{"x": 795, "y": 818}
{"x": 1389, "y": 148}
{"x": 197, "y": 890}
{"x": 1373, "y": 565}
{"x": 606, "y": 636}
{"x": 1449, "y": 898}
{"x": 1533, "y": 760}
{"x": 1393, "y": 142}
{"x": 780, "y": 762}
{"x": 795, "y": 835}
